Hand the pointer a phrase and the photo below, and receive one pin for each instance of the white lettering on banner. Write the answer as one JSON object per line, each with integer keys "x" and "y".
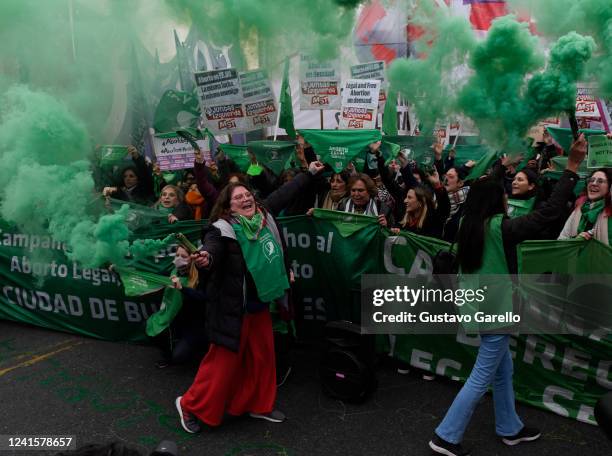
{"x": 302, "y": 271}
{"x": 41, "y": 300}
{"x": 603, "y": 374}
{"x": 388, "y": 254}
{"x": 445, "y": 364}
{"x": 422, "y": 265}
{"x": 574, "y": 359}
{"x": 304, "y": 241}
{"x": 548, "y": 399}
{"x": 31, "y": 242}
{"x": 421, "y": 359}
{"x": 546, "y": 355}
{"x": 316, "y": 311}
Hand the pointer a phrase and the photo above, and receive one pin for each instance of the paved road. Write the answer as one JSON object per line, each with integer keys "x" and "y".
{"x": 55, "y": 383}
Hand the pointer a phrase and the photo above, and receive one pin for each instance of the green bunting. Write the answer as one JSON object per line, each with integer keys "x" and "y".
{"x": 273, "y": 154}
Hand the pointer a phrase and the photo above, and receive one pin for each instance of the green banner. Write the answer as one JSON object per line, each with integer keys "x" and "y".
{"x": 328, "y": 253}
{"x": 563, "y": 136}
{"x": 417, "y": 148}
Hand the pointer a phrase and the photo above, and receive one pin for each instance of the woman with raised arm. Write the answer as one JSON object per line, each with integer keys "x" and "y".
{"x": 487, "y": 241}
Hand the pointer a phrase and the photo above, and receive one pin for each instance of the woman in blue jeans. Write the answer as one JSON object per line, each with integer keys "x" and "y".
{"x": 486, "y": 244}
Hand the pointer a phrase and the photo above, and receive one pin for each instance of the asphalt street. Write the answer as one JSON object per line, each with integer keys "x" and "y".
{"x": 60, "y": 384}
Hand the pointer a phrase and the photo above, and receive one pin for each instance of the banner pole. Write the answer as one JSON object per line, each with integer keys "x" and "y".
{"x": 456, "y": 137}
{"x": 278, "y": 114}
{"x": 321, "y": 112}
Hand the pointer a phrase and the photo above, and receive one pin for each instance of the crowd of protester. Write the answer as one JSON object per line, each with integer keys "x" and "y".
{"x": 238, "y": 373}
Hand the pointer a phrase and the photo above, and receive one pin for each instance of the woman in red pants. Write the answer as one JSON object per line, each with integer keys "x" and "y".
{"x": 245, "y": 268}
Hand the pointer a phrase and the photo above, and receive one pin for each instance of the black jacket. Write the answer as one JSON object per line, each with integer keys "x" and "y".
{"x": 530, "y": 226}
{"x": 228, "y": 274}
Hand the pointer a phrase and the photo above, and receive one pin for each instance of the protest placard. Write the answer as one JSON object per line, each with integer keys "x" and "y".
{"x": 373, "y": 70}
{"x": 359, "y": 104}
{"x": 259, "y": 105}
{"x": 600, "y": 152}
{"x": 220, "y": 97}
{"x": 319, "y": 84}
{"x": 174, "y": 152}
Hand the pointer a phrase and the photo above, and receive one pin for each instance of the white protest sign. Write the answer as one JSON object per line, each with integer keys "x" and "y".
{"x": 359, "y": 104}
{"x": 372, "y": 70}
{"x": 174, "y": 152}
{"x": 220, "y": 97}
{"x": 319, "y": 84}
{"x": 259, "y": 105}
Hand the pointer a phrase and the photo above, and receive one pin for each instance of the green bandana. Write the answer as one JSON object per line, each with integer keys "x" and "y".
{"x": 338, "y": 147}
{"x": 251, "y": 226}
{"x": 590, "y": 212}
{"x": 164, "y": 210}
{"x": 139, "y": 283}
{"x": 264, "y": 260}
{"x": 238, "y": 154}
{"x": 273, "y": 154}
{"x": 254, "y": 170}
{"x": 517, "y": 208}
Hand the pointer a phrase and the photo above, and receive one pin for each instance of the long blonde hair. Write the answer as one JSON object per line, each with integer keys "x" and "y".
{"x": 193, "y": 278}
{"x": 423, "y": 196}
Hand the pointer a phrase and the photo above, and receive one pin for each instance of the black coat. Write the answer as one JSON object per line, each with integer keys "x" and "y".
{"x": 228, "y": 274}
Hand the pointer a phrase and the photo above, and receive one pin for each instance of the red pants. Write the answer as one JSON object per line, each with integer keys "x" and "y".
{"x": 236, "y": 382}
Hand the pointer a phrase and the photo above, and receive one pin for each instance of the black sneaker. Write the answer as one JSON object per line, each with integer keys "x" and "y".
{"x": 188, "y": 421}
{"x": 525, "y": 435}
{"x": 282, "y": 375}
{"x": 441, "y": 446}
{"x": 275, "y": 416}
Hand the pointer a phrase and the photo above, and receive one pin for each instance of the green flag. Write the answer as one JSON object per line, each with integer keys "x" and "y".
{"x": 338, "y": 147}
{"x": 139, "y": 283}
{"x": 238, "y": 154}
{"x": 390, "y": 114}
{"x": 418, "y": 148}
{"x": 286, "y": 104}
{"x": 186, "y": 77}
{"x": 563, "y": 136}
{"x": 112, "y": 155}
{"x": 273, "y": 154}
{"x": 176, "y": 110}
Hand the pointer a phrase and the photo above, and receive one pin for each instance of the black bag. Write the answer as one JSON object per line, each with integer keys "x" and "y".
{"x": 348, "y": 362}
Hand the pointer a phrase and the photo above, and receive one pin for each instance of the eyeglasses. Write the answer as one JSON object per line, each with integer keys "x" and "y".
{"x": 597, "y": 180}
{"x": 242, "y": 196}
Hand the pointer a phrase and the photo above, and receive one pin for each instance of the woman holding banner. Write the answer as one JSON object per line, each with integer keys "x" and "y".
{"x": 243, "y": 257}
{"x": 486, "y": 242}
{"x": 363, "y": 199}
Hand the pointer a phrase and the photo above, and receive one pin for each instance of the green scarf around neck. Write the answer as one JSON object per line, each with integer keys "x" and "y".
{"x": 263, "y": 256}
{"x": 590, "y": 212}
{"x": 251, "y": 226}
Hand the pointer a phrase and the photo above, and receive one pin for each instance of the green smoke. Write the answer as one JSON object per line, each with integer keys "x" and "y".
{"x": 315, "y": 26}
{"x": 427, "y": 82}
{"x": 588, "y": 17}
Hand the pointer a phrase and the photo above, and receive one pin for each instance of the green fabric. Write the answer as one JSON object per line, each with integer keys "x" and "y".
{"x": 346, "y": 224}
{"x": 264, "y": 260}
{"x": 419, "y": 147}
{"x": 483, "y": 165}
{"x": 250, "y": 226}
{"x": 238, "y": 154}
{"x": 254, "y": 170}
{"x": 272, "y": 154}
{"x": 563, "y": 136}
{"x": 338, "y": 147}
{"x": 589, "y": 213}
{"x": 286, "y": 104}
{"x": 389, "y": 151}
{"x": 467, "y": 152}
{"x": 112, "y": 155}
{"x": 498, "y": 292}
{"x": 518, "y": 208}
{"x": 390, "y": 114}
{"x": 140, "y": 283}
{"x": 176, "y": 110}
{"x": 164, "y": 210}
